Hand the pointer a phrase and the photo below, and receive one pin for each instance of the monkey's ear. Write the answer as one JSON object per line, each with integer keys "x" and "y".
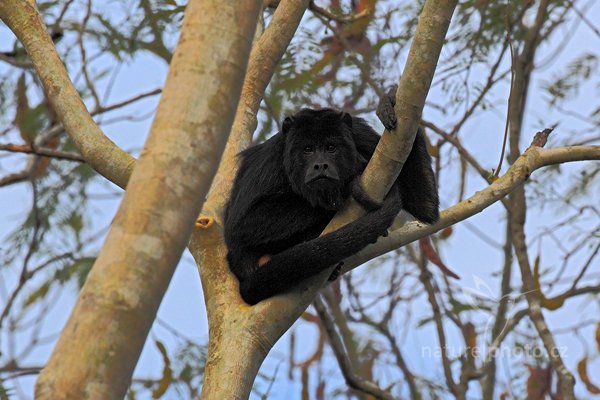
{"x": 346, "y": 118}
{"x": 288, "y": 122}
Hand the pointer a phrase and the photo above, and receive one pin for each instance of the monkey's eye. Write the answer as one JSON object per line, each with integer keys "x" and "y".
{"x": 330, "y": 148}
{"x": 308, "y": 149}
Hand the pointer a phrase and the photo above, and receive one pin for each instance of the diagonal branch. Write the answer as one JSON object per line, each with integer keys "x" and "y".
{"x": 531, "y": 160}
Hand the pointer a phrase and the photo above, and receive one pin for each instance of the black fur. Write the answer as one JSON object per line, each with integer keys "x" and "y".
{"x": 288, "y": 189}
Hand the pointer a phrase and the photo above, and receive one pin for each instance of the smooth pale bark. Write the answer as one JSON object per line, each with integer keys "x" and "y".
{"x": 240, "y": 335}
{"x": 100, "y": 345}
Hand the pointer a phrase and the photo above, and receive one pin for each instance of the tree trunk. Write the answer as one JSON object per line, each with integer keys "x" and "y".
{"x": 100, "y": 345}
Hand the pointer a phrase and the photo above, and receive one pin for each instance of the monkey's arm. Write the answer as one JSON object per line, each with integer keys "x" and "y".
{"x": 288, "y": 268}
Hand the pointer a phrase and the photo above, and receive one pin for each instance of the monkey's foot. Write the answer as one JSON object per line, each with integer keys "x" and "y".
{"x": 385, "y": 109}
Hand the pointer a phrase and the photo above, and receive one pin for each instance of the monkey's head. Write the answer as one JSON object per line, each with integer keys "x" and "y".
{"x": 320, "y": 157}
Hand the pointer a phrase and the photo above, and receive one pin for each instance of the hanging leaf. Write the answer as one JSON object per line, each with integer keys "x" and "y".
{"x": 37, "y": 294}
{"x": 539, "y": 382}
{"x": 470, "y": 336}
{"x": 582, "y": 370}
{"x": 167, "y": 377}
{"x": 553, "y": 303}
{"x": 433, "y": 256}
{"x": 446, "y": 232}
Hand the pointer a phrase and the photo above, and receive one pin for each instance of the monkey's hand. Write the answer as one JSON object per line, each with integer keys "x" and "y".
{"x": 362, "y": 198}
{"x": 385, "y": 109}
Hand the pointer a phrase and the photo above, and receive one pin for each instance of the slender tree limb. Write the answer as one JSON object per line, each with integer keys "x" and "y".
{"x": 488, "y": 383}
{"x": 513, "y": 321}
{"x": 14, "y": 62}
{"x": 382, "y": 326}
{"x": 506, "y": 328}
{"x": 341, "y": 322}
{"x": 334, "y": 17}
{"x": 425, "y": 278}
{"x": 352, "y": 379}
{"x": 126, "y": 102}
{"x": 16, "y": 177}
{"x": 84, "y": 61}
{"x": 323, "y": 12}
{"x": 523, "y": 64}
{"x": 517, "y": 222}
{"x": 56, "y": 130}
{"x": 465, "y": 154}
{"x": 101, "y": 153}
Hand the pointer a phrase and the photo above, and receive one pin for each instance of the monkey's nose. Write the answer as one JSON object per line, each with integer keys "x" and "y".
{"x": 321, "y": 167}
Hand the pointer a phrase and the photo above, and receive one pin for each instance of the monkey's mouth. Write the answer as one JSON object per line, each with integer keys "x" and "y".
{"x": 321, "y": 178}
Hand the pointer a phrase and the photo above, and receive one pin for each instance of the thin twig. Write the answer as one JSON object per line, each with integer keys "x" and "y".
{"x": 84, "y": 62}
{"x": 506, "y": 125}
{"x": 354, "y": 381}
{"x": 41, "y": 151}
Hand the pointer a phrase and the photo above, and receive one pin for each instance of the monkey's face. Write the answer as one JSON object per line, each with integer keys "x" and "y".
{"x": 320, "y": 158}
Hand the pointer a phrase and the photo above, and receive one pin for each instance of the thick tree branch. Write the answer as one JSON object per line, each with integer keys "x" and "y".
{"x": 100, "y": 345}
{"x": 394, "y": 147}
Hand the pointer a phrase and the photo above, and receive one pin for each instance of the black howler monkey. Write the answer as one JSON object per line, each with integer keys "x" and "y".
{"x": 289, "y": 187}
